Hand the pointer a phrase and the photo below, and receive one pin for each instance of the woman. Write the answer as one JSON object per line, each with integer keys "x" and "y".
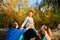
{"x": 48, "y": 33}
{"x": 13, "y": 32}
{"x": 28, "y": 21}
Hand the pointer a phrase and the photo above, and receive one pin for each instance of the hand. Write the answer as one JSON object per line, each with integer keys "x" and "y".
{"x": 21, "y": 28}
{"x": 28, "y": 27}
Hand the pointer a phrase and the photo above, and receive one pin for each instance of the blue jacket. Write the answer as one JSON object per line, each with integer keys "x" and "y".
{"x": 13, "y": 33}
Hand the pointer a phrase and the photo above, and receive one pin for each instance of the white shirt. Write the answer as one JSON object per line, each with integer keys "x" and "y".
{"x": 28, "y": 22}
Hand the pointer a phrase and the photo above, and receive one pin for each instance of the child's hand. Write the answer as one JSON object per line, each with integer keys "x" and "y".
{"x": 21, "y": 28}
{"x": 28, "y": 27}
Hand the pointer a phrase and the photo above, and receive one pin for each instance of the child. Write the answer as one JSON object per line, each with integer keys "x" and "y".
{"x": 28, "y": 21}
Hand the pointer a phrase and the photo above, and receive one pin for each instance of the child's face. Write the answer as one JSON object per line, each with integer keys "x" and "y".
{"x": 30, "y": 14}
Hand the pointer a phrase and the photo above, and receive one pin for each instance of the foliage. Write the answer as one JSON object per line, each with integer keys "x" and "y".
{"x": 51, "y": 17}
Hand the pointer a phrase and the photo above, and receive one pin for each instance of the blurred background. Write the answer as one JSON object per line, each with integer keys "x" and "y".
{"x": 45, "y": 12}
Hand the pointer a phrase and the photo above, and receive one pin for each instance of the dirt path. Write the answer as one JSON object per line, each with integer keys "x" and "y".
{"x": 56, "y": 35}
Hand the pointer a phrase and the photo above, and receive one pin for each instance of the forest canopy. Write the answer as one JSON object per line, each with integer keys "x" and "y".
{"x": 45, "y": 12}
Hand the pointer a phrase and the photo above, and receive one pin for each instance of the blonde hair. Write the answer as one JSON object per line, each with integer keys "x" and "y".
{"x": 48, "y": 30}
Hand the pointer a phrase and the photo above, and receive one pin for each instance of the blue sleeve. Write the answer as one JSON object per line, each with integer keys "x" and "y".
{"x": 14, "y": 34}
{"x": 23, "y": 31}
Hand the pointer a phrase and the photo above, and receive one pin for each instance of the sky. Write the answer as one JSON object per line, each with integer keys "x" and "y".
{"x": 31, "y": 3}
{"x": 4, "y": 0}
{"x": 34, "y": 3}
